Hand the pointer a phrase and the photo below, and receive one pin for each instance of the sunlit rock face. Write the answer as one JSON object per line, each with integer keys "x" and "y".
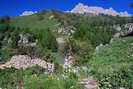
{"x": 27, "y": 13}
{"x": 82, "y": 9}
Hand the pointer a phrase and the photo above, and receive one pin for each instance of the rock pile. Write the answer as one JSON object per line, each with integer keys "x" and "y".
{"x": 24, "y": 61}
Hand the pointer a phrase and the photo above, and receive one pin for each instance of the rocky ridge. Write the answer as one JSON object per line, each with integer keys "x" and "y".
{"x": 27, "y": 13}
{"x": 95, "y": 10}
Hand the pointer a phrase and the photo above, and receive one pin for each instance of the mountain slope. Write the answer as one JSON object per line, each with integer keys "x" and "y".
{"x": 64, "y": 38}
{"x": 112, "y": 65}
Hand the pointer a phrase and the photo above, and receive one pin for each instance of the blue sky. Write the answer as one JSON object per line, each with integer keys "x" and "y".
{"x": 16, "y": 7}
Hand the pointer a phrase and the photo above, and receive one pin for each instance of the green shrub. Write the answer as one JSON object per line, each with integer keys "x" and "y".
{"x": 95, "y": 35}
{"x": 10, "y": 78}
{"x": 83, "y": 54}
{"x": 112, "y": 65}
{"x": 47, "y": 40}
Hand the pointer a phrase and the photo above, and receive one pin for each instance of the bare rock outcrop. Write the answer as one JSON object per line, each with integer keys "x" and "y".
{"x": 69, "y": 30}
{"x": 27, "y": 40}
{"x": 99, "y": 46}
{"x": 27, "y": 13}
{"x": 83, "y": 9}
{"x": 123, "y": 31}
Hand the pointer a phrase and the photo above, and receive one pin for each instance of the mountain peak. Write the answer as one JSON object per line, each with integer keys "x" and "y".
{"x": 80, "y": 4}
{"x": 80, "y": 8}
{"x": 27, "y": 13}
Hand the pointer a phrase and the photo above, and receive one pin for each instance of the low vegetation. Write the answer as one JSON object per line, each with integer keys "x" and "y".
{"x": 113, "y": 66}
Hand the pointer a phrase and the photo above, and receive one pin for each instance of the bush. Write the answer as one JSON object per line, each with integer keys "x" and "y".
{"x": 83, "y": 54}
{"x": 10, "y": 78}
{"x": 95, "y": 35}
{"x": 46, "y": 40}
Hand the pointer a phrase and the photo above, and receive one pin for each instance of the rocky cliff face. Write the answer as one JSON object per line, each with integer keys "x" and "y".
{"x": 83, "y": 9}
{"x": 124, "y": 30}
